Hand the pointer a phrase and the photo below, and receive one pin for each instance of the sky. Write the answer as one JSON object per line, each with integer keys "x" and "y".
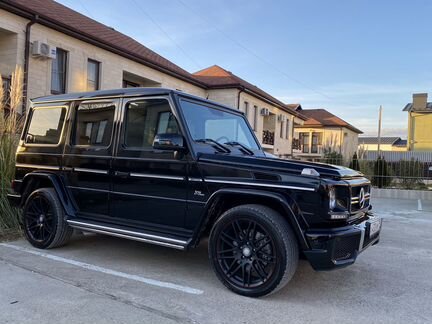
{"x": 348, "y": 57}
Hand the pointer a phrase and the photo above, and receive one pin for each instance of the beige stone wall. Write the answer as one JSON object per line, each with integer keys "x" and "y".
{"x": 12, "y": 39}
{"x": 112, "y": 65}
{"x": 338, "y": 139}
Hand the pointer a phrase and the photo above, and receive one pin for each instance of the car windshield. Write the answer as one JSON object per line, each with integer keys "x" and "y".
{"x": 223, "y": 127}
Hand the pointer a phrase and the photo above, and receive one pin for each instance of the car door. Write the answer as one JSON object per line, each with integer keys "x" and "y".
{"x": 148, "y": 185}
{"x": 87, "y": 156}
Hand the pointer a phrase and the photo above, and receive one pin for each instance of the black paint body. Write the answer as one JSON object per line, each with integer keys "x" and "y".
{"x": 178, "y": 195}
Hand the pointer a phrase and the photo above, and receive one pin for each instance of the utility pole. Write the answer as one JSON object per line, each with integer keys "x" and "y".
{"x": 379, "y": 130}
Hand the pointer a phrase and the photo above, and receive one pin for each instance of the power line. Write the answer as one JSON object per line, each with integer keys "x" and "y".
{"x": 303, "y": 84}
{"x": 85, "y": 8}
{"x": 166, "y": 34}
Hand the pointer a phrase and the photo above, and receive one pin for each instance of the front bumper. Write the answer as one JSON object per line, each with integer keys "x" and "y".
{"x": 339, "y": 247}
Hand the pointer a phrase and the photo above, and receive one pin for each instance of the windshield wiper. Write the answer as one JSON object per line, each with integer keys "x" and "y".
{"x": 215, "y": 143}
{"x": 245, "y": 149}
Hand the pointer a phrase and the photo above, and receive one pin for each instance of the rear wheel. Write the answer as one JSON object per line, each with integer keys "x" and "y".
{"x": 43, "y": 220}
{"x": 253, "y": 250}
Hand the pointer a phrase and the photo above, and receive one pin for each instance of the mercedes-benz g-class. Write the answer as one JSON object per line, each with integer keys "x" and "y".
{"x": 163, "y": 167}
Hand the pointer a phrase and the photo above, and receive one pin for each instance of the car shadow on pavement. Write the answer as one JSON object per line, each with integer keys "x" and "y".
{"x": 193, "y": 267}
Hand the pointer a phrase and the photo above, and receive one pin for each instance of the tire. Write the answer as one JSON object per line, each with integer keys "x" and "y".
{"x": 44, "y": 222}
{"x": 253, "y": 250}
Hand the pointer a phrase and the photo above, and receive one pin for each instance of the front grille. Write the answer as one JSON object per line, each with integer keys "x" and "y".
{"x": 360, "y": 197}
{"x": 345, "y": 247}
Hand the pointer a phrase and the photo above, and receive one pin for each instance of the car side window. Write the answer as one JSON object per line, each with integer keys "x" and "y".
{"x": 93, "y": 124}
{"x": 145, "y": 118}
{"x": 46, "y": 125}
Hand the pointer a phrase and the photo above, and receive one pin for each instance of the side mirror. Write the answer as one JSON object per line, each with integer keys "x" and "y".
{"x": 171, "y": 142}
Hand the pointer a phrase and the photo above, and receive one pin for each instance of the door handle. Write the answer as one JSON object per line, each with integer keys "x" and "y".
{"x": 121, "y": 174}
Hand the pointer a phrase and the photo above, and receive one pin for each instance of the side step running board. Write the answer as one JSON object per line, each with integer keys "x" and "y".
{"x": 127, "y": 234}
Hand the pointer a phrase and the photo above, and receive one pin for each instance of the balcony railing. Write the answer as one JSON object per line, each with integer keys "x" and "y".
{"x": 268, "y": 137}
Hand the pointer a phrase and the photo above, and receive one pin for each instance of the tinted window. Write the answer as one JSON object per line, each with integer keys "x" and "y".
{"x": 145, "y": 119}
{"x": 46, "y": 125}
{"x": 94, "y": 124}
{"x": 222, "y": 126}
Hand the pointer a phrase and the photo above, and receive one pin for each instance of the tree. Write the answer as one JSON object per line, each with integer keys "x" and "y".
{"x": 411, "y": 174}
{"x": 354, "y": 164}
{"x": 381, "y": 177}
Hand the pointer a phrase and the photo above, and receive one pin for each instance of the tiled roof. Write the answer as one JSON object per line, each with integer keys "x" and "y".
{"x": 374, "y": 140}
{"x": 408, "y": 107}
{"x": 296, "y": 106}
{"x": 400, "y": 143}
{"x": 217, "y": 77}
{"x": 321, "y": 118}
{"x": 61, "y": 15}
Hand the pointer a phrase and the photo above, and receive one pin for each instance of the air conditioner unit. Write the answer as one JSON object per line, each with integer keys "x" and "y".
{"x": 281, "y": 118}
{"x": 265, "y": 112}
{"x": 43, "y": 50}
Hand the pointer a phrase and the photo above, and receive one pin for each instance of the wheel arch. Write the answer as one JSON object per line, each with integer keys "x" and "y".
{"x": 227, "y": 198}
{"x": 39, "y": 179}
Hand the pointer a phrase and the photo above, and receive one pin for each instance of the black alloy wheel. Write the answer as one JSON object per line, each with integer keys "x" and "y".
{"x": 253, "y": 250}
{"x": 43, "y": 220}
{"x": 246, "y": 253}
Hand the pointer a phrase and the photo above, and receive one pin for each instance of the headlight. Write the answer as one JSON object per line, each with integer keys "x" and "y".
{"x": 332, "y": 198}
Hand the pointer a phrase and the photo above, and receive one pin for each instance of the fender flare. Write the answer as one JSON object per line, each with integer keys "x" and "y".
{"x": 63, "y": 194}
{"x": 295, "y": 219}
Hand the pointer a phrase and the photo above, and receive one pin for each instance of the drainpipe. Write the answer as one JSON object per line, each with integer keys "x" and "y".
{"x": 27, "y": 60}
{"x": 242, "y": 89}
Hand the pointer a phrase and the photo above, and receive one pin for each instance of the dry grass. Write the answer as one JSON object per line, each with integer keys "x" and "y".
{"x": 10, "y": 126}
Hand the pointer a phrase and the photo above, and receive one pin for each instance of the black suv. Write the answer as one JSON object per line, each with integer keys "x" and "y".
{"x": 160, "y": 166}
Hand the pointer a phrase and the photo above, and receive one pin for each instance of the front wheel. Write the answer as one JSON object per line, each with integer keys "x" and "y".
{"x": 253, "y": 250}
{"x": 43, "y": 220}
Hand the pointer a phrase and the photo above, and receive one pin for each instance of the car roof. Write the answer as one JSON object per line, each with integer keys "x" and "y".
{"x": 124, "y": 92}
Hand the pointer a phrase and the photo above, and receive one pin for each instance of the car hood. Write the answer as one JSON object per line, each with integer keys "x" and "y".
{"x": 280, "y": 165}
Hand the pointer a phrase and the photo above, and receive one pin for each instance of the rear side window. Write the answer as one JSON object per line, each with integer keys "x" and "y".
{"x": 46, "y": 125}
{"x": 94, "y": 124}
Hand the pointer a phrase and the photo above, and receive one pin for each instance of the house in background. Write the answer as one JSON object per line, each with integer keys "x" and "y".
{"x": 419, "y": 123}
{"x": 323, "y": 131}
{"x": 368, "y": 144}
{"x": 272, "y": 121}
{"x": 64, "y": 51}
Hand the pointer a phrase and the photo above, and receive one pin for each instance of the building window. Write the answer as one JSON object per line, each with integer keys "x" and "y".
{"x": 6, "y": 90}
{"x": 304, "y": 140}
{"x": 281, "y": 129}
{"x": 246, "y": 109}
{"x": 58, "y": 72}
{"x": 130, "y": 84}
{"x": 255, "y": 118}
{"x": 287, "y": 129}
{"x": 93, "y": 70}
{"x": 316, "y": 142}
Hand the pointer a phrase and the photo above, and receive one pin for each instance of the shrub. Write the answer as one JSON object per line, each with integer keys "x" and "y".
{"x": 332, "y": 157}
{"x": 354, "y": 164}
{"x": 381, "y": 176}
{"x": 10, "y": 126}
{"x": 411, "y": 174}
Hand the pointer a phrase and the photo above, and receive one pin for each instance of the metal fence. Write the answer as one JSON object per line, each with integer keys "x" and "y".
{"x": 402, "y": 174}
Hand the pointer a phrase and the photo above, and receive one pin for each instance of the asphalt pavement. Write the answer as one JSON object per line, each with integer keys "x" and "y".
{"x": 100, "y": 279}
